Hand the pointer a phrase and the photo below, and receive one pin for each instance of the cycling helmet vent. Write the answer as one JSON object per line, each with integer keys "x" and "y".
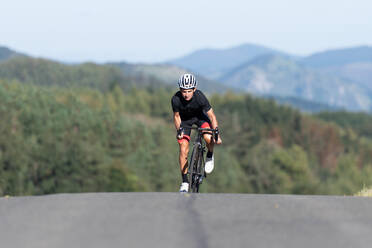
{"x": 187, "y": 81}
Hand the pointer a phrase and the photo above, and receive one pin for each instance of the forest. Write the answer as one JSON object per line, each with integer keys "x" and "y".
{"x": 84, "y": 138}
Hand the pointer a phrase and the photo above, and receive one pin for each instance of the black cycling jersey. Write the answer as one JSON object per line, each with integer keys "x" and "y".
{"x": 195, "y": 108}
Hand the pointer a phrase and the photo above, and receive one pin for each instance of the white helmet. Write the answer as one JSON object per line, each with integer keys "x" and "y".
{"x": 187, "y": 81}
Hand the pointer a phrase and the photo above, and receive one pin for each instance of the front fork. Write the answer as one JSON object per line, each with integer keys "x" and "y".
{"x": 202, "y": 173}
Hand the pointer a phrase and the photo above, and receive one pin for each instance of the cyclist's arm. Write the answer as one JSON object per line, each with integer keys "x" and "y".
{"x": 214, "y": 124}
{"x": 213, "y": 118}
{"x": 177, "y": 120}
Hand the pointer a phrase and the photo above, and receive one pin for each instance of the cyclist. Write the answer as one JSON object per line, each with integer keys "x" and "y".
{"x": 190, "y": 106}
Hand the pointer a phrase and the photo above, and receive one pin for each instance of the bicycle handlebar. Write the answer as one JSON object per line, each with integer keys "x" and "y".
{"x": 214, "y": 131}
{"x": 201, "y": 128}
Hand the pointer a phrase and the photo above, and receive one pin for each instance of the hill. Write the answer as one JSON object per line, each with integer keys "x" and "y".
{"x": 50, "y": 73}
{"x": 62, "y": 139}
{"x": 339, "y": 57}
{"x": 6, "y": 53}
{"x": 358, "y": 72}
{"x": 212, "y": 63}
{"x": 350, "y": 64}
{"x": 282, "y": 76}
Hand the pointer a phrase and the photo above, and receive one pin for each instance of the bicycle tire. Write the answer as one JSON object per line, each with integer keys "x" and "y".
{"x": 199, "y": 169}
{"x": 193, "y": 168}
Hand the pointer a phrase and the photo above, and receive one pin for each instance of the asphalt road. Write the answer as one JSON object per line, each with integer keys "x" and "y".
{"x": 183, "y": 220}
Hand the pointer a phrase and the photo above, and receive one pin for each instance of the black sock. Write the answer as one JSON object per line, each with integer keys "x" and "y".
{"x": 209, "y": 154}
{"x": 184, "y": 178}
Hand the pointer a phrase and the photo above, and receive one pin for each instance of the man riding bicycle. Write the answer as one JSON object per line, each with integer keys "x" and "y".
{"x": 190, "y": 106}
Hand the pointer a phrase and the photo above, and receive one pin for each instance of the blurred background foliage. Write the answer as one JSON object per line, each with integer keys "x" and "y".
{"x": 86, "y": 139}
{"x": 91, "y": 128}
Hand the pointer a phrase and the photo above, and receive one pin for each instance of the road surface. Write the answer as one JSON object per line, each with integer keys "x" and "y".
{"x": 182, "y": 220}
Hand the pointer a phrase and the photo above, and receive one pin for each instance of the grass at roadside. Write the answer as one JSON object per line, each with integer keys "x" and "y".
{"x": 367, "y": 192}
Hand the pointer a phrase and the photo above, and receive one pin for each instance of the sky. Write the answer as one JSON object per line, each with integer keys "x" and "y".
{"x": 156, "y": 31}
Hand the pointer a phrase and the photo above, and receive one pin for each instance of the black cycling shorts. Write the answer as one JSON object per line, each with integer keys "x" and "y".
{"x": 190, "y": 123}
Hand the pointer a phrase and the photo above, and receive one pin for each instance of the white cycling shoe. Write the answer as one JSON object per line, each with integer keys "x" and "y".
{"x": 209, "y": 164}
{"x": 184, "y": 187}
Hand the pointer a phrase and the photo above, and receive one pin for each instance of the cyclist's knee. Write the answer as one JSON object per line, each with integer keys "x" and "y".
{"x": 208, "y": 138}
{"x": 184, "y": 148}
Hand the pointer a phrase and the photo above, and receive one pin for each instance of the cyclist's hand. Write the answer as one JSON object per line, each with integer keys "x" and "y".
{"x": 219, "y": 140}
{"x": 180, "y": 133}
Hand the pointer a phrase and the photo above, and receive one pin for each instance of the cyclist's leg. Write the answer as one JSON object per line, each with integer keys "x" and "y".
{"x": 207, "y": 136}
{"x": 209, "y": 161}
{"x": 184, "y": 150}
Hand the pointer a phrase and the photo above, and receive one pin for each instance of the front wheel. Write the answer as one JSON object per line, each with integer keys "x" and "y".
{"x": 193, "y": 170}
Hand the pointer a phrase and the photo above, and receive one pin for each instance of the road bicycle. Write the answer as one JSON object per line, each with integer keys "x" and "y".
{"x": 196, "y": 171}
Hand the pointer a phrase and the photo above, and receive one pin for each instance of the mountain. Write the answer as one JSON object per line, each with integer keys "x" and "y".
{"x": 338, "y": 78}
{"x": 353, "y": 64}
{"x": 169, "y": 74}
{"x": 282, "y": 76}
{"x": 359, "y": 72}
{"x": 6, "y": 53}
{"x": 339, "y": 57}
{"x": 212, "y": 63}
